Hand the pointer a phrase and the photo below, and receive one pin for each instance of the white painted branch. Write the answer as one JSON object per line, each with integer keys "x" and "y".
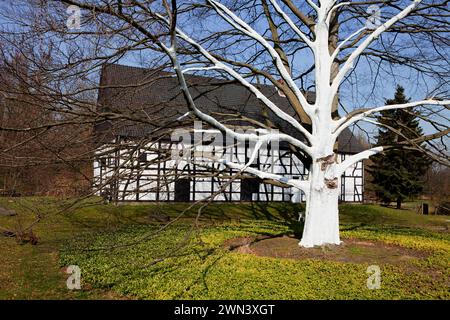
{"x": 348, "y": 65}
{"x": 348, "y": 120}
{"x": 254, "y": 154}
{"x": 300, "y": 184}
{"x": 199, "y": 69}
{"x": 242, "y": 26}
{"x": 214, "y": 122}
{"x": 291, "y": 23}
{"x": 371, "y": 121}
{"x": 339, "y": 47}
{"x": 335, "y": 8}
{"x": 183, "y": 116}
{"x": 355, "y": 158}
{"x": 259, "y": 95}
{"x": 313, "y": 5}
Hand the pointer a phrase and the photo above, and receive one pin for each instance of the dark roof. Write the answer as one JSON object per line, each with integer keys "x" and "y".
{"x": 143, "y": 93}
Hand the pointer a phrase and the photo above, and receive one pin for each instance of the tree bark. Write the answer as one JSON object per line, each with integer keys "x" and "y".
{"x": 322, "y": 213}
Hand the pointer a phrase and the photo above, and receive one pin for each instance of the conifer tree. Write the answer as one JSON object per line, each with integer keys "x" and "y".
{"x": 398, "y": 173}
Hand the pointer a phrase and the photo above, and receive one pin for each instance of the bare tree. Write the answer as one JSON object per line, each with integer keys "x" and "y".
{"x": 325, "y": 46}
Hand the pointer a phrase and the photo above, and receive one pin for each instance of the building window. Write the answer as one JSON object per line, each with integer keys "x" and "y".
{"x": 102, "y": 162}
{"x": 142, "y": 157}
{"x": 182, "y": 190}
{"x": 249, "y": 186}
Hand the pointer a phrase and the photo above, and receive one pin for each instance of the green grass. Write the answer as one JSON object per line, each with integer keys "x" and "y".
{"x": 122, "y": 253}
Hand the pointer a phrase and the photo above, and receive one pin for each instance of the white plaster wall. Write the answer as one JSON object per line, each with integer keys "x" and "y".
{"x": 270, "y": 163}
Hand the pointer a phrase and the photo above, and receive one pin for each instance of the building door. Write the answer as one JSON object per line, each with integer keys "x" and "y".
{"x": 249, "y": 186}
{"x": 182, "y": 190}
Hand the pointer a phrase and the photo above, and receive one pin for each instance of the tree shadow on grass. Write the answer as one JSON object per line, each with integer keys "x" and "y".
{"x": 285, "y": 212}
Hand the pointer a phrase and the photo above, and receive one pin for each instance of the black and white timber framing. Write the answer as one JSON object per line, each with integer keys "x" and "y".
{"x": 130, "y": 166}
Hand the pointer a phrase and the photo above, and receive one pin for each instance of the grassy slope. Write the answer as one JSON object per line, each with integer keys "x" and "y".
{"x": 202, "y": 269}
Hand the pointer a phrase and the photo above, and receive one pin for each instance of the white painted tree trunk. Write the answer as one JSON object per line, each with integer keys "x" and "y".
{"x": 322, "y": 214}
{"x": 322, "y": 218}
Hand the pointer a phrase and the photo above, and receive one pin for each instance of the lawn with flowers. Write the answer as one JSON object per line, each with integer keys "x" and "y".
{"x": 224, "y": 251}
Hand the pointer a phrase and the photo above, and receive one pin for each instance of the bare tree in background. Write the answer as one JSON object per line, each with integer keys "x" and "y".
{"x": 437, "y": 183}
{"x": 336, "y": 49}
{"x": 37, "y": 145}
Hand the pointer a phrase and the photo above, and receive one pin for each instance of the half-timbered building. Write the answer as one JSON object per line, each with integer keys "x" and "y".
{"x": 140, "y": 157}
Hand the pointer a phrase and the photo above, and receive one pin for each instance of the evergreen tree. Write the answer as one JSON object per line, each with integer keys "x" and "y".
{"x": 398, "y": 172}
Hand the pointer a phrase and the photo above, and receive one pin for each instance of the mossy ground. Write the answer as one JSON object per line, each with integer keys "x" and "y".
{"x": 123, "y": 253}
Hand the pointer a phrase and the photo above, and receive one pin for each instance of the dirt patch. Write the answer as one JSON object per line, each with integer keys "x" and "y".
{"x": 351, "y": 250}
{"x": 242, "y": 244}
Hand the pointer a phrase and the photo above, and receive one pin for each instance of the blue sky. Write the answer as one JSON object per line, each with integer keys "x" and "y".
{"x": 364, "y": 93}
